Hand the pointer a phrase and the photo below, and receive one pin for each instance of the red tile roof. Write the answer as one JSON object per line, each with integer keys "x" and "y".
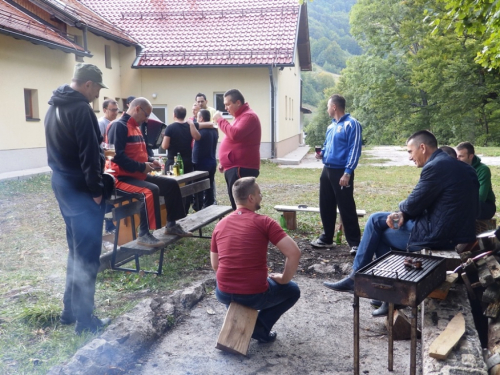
{"x": 77, "y": 11}
{"x": 207, "y": 32}
{"x": 18, "y": 24}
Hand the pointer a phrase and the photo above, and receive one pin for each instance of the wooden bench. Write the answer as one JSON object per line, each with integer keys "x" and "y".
{"x": 290, "y": 213}
{"x": 131, "y": 251}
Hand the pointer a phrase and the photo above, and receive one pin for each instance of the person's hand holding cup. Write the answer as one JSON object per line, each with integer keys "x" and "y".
{"x": 395, "y": 220}
{"x": 318, "y": 152}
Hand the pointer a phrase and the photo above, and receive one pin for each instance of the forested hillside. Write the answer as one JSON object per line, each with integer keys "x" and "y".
{"x": 331, "y": 45}
{"x": 416, "y": 73}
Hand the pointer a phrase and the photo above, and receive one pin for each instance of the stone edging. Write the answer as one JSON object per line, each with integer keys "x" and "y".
{"x": 132, "y": 334}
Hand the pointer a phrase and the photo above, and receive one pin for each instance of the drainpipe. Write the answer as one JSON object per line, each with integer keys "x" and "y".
{"x": 271, "y": 78}
{"x": 85, "y": 42}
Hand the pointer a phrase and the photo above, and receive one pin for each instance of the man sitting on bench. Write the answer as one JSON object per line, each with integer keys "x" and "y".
{"x": 132, "y": 166}
{"x": 239, "y": 257}
{"x": 439, "y": 213}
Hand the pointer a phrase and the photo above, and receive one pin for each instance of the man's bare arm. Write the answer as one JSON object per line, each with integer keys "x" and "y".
{"x": 292, "y": 253}
{"x": 214, "y": 259}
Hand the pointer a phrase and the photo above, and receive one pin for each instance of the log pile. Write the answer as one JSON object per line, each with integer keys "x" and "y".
{"x": 480, "y": 272}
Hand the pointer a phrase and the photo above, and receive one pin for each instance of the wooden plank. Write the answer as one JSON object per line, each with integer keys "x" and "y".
{"x": 306, "y": 208}
{"x": 401, "y": 328}
{"x": 237, "y": 329}
{"x": 188, "y": 177}
{"x": 291, "y": 220}
{"x": 444, "y": 343}
{"x": 444, "y": 288}
{"x": 493, "y": 266}
{"x": 202, "y": 218}
{"x": 195, "y": 187}
{"x": 485, "y": 277}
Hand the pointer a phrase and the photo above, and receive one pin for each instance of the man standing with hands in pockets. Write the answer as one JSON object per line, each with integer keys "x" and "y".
{"x": 340, "y": 154}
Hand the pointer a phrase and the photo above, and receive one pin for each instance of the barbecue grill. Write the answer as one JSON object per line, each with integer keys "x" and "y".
{"x": 393, "y": 278}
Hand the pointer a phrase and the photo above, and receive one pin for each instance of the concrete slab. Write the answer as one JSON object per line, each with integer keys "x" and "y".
{"x": 25, "y": 173}
{"x": 294, "y": 157}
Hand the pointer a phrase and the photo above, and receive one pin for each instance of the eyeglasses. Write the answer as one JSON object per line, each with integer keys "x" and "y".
{"x": 112, "y": 109}
{"x": 147, "y": 116}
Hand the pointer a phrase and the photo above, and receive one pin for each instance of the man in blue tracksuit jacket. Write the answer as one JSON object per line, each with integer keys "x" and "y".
{"x": 340, "y": 155}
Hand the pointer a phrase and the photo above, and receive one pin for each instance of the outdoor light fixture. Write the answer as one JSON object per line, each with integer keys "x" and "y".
{"x": 154, "y": 95}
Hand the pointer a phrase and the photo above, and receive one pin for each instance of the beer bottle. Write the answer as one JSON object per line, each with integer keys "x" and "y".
{"x": 175, "y": 168}
{"x": 338, "y": 237}
{"x": 181, "y": 163}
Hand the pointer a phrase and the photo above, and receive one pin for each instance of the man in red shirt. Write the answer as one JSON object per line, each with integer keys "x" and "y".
{"x": 238, "y": 255}
{"x": 239, "y": 152}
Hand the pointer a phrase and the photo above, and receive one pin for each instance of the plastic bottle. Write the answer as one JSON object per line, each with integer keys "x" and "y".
{"x": 181, "y": 163}
{"x": 338, "y": 237}
{"x": 282, "y": 221}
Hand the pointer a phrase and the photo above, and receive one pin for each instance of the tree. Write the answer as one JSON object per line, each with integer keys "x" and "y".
{"x": 480, "y": 18}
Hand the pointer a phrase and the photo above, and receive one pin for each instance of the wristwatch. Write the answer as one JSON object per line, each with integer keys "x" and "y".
{"x": 348, "y": 174}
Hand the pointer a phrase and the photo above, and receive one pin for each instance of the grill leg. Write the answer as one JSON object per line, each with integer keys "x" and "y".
{"x": 390, "y": 318}
{"x": 356, "y": 335}
{"x": 413, "y": 351}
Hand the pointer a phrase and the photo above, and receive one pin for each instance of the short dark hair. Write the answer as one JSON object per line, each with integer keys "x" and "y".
{"x": 200, "y": 94}
{"x": 242, "y": 188}
{"x": 449, "y": 150}
{"x": 180, "y": 112}
{"x": 107, "y": 102}
{"x": 205, "y": 114}
{"x": 468, "y": 146}
{"x": 338, "y": 100}
{"x": 425, "y": 137}
{"x": 130, "y": 99}
{"x": 235, "y": 96}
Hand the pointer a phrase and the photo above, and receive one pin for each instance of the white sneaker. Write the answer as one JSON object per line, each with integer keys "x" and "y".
{"x": 353, "y": 250}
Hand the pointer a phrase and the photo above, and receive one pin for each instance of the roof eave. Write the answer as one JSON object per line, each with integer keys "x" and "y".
{"x": 109, "y": 36}
{"x": 44, "y": 42}
{"x": 266, "y": 65}
{"x": 303, "y": 44}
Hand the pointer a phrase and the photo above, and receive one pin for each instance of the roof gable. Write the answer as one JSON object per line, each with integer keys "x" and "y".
{"x": 207, "y": 32}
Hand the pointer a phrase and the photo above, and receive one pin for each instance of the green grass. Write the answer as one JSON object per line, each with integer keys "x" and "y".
{"x": 34, "y": 253}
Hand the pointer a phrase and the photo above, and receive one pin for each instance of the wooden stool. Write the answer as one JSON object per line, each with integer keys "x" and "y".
{"x": 237, "y": 329}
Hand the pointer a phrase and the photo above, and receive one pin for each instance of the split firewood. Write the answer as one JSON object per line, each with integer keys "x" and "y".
{"x": 492, "y": 293}
{"x": 484, "y": 274}
{"x": 492, "y": 310}
{"x": 444, "y": 288}
{"x": 493, "y": 266}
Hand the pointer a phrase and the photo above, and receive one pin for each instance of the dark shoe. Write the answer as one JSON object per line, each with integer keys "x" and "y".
{"x": 353, "y": 250}
{"x": 344, "y": 285}
{"x": 67, "y": 317}
{"x": 148, "y": 240}
{"x": 318, "y": 243}
{"x": 271, "y": 337}
{"x": 375, "y": 303}
{"x": 93, "y": 325}
{"x": 177, "y": 230}
{"x": 383, "y": 310}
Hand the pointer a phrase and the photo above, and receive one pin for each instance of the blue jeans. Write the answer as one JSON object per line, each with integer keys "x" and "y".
{"x": 378, "y": 239}
{"x": 272, "y": 303}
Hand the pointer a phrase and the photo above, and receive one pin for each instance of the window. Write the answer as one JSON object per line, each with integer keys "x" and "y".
{"x": 95, "y": 105}
{"x": 31, "y": 104}
{"x": 118, "y": 100}
{"x": 107, "y": 56}
{"x": 286, "y": 107}
{"x": 219, "y": 104}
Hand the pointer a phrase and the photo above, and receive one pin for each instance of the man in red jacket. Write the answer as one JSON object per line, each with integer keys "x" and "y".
{"x": 239, "y": 152}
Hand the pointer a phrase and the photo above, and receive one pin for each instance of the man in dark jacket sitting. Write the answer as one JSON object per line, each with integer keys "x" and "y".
{"x": 439, "y": 213}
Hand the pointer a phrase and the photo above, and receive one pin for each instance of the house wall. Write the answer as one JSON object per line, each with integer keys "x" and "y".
{"x": 29, "y": 66}
{"x": 179, "y": 86}
{"x": 288, "y": 109}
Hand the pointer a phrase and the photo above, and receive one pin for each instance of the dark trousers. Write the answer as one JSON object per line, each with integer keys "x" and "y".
{"x": 206, "y": 198}
{"x": 273, "y": 303}
{"x": 234, "y": 174}
{"x": 488, "y": 209}
{"x": 164, "y": 186}
{"x": 84, "y": 220}
{"x": 331, "y": 196}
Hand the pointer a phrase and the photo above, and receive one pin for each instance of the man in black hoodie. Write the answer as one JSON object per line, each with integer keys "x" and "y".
{"x": 77, "y": 162}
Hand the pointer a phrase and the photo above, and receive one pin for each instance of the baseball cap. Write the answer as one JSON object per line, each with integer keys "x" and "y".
{"x": 89, "y": 72}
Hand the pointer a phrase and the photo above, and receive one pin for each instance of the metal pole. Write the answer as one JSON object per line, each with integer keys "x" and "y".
{"x": 390, "y": 319}
{"x": 413, "y": 351}
{"x": 356, "y": 335}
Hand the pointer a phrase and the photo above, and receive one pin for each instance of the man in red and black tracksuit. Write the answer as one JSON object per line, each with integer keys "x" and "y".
{"x": 132, "y": 165}
{"x": 239, "y": 152}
